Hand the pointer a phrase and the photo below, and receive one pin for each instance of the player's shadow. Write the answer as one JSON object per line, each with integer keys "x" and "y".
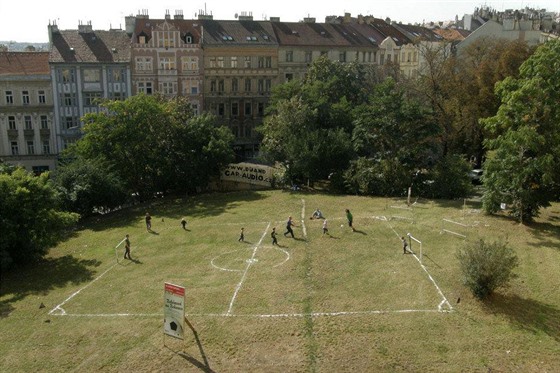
{"x": 527, "y": 314}
{"x": 360, "y": 232}
{"x": 126, "y": 262}
{"x": 153, "y": 232}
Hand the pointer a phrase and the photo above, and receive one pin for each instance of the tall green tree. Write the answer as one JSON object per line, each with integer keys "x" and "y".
{"x": 31, "y": 217}
{"x": 156, "y": 144}
{"x": 523, "y": 169}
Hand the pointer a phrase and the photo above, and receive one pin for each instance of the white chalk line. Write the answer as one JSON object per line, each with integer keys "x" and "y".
{"x": 212, "y": 262}
{"x": 444, "y": 299}
{"x": 261, "y": 316}
{"x": 249, "y": 264}
{"x": 59, "y": 307}
{"x": 303, "y": 227}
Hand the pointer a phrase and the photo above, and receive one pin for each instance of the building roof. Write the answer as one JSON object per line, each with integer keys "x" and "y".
{"x": 145, "y": 26}
{"x": 419, "y": 33}
{"x": 92, "y": 46}
{"x": 318, "y": 34}
{"x": 244, "y": 32}
{"x": 452, "y": 34}
{"x": 24, "y": 63}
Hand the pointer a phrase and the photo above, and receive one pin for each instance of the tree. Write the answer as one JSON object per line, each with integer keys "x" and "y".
{"x": 89, "y": 185}
{"x": 486, "y": 266}
{"x": 155, "y": 144}
{"x": 525, "y": 144}
{"x": 30, "y": 216}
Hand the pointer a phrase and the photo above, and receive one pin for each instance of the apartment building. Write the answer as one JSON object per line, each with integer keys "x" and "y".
{"x": 166, "y": 57}
{"x": 26, "y": 111}
{"x": 86, "y": 65}
{"x": 240, "y": 69}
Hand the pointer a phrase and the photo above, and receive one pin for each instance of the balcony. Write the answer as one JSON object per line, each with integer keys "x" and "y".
{"x": 12, "y": 134}
{"x": 45, "y": 132}
{"x": 167, "y": 72}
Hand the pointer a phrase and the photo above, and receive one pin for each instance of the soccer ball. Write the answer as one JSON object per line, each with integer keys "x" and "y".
{"x": 341, "y": 225}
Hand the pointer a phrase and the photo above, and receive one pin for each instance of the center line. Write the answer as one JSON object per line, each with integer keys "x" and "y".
{"x": 249, "y": 264}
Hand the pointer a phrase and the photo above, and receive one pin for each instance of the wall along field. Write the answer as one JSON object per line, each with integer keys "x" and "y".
{"x": 347, "y": 301}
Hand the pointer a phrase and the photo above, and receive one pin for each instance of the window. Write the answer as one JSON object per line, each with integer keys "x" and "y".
{"x": 144, "y": 63}
{"x": 308, "y": 57}
{"x": 90, "y": 98}
{"x": 221, "y": 85}
{"x": 15, "y": 148}
{"x": 289, "y": 56}
{"x": 289, "y": 77}
{"x": 221, "y": 109}
{"x": 248, "y": 131}
{"x": 233, "y": 62}
{"x": 260, "y": 85}
{"x": 30, "y": 147}
{"x": 342, "y": 56}
{"x": 324, "y": 53}
{"x": 165, "y": 39}
{"x": 142, "y": 39}
{"x": 28, "y": 123}
{"x": 194, "y": 90}
{"x": 194, "y": 108}
{"x": 268, "y": 62}
{"x": 167, "y": 63}
{"x": 70, "y": 122}
{"x": 38, "y": 170}
{"x": 261, "y": 61}
{"x": 213, "y": 62}
{"x": 67, "y": 76}
{"x": 68, "y": 99}
{"x": 267, "y": 85}
{"x": 189, "y": 63}
{"x": 260, "y": 109}
{"x": 117, "y": 96}
{"x": 46, "y": 147}
{"x": 44, "y": 122}
{"x": 9, "y": 97}
{"x": 247, "y": 110}
{"x": 415, "y": 56}
{"x": 168, "y": 88}
{"x": 92, "y": 75}
{"x": 247, "y": 62}
{"x": 389, "y": 58}
{"x": 247, "y": 85}
{"x": 145, "y": 87}
{"x": 12, "y": 122}
{"x": 220, "y": 61}
{"x": 67, "y": 142}
{"x": 382, "y": 59}
{"x": 188, "y": 39}
{"x": 234, "y": 85}
{"x": 234, "y": 109}
{"x": 25, "y": 97}
{"x": 212, "y": 86}
{"x": 42, "y": 97}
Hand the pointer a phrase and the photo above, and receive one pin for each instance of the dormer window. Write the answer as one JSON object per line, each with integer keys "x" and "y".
{"x": 142, "y": 39}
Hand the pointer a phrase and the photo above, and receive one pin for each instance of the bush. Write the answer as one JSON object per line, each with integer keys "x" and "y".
{"x": 486, "y": 266}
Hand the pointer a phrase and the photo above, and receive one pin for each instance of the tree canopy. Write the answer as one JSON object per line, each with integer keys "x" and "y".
{"x": 31, "y": 217}
{"x": 155, "y": 144}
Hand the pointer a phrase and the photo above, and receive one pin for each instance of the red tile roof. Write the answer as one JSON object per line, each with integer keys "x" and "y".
{"x": 24, "y": 63}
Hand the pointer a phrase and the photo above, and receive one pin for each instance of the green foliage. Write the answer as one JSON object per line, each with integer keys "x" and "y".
{"x": 30, "y": 216}
{"x": 387, "y": 177}
{"x": 89, "y": 185}
{"x": 156, "y": 144}
{"x": 526, "y": 137}
{"x": 449, "y": 178}
{"x": 486, "y": 267}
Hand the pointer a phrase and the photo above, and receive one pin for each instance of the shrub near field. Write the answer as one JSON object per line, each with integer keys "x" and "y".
{"x": 350, "y": 301}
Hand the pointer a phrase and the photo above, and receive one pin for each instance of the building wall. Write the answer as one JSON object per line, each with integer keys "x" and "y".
{"x": 27, "y": 135}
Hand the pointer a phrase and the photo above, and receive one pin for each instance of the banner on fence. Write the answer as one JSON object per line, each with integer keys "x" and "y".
{"x": 248, "y": 173}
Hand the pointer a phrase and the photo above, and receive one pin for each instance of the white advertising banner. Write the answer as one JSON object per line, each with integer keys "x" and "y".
{"x": 173, "y": 310}
{"x": 248, "y": 173}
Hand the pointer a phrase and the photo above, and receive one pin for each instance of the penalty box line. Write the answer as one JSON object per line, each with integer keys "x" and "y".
{"x": 444, "y": 299}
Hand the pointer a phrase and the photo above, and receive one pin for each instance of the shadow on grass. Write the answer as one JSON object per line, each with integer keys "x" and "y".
{"x": 546, "y": 233}
{"x": 202, "y": 365}
{"x": 527, "y": 314}
{"x": 174, "y": 208}
{"x": 41, "y": 277}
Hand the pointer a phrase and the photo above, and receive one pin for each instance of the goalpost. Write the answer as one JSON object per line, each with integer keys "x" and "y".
{"x": 445, "y": 223}
{"x": 116, "y": 247}
{"x": 412, "y": 238}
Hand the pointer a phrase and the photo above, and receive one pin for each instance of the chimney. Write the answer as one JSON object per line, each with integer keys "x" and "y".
{"x": 246, "y": 16}
{"x": 274, "y": 19}
{"x": 83, "y": 29}
{"x": 202, "y": 15}
{"x": 130, "y": 24}
{"x": 178, "y": 14}
{"x": 167, "y": 15}
{"x": 52, "y": 28}
{"x": 347, "y": 17}
{"x": 144, "y": 14}
{"x": 309, "y": 20}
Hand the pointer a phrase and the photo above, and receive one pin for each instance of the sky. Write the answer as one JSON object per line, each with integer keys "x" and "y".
{"x": 27, "y": 21}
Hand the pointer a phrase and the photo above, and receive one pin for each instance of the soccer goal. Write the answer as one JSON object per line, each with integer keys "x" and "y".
{"x": 116, "y": 247}
{"x": 454, "y": 228}
{"x": 412, "y": 239}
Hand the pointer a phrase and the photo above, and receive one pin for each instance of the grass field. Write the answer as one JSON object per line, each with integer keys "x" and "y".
{"x": 348, "y": 302}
